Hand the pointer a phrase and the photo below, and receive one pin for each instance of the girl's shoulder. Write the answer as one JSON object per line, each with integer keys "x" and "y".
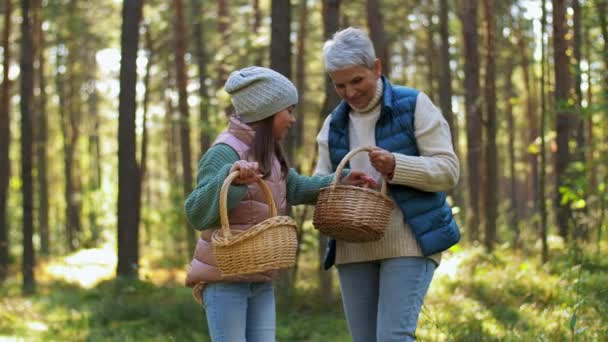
{"x": 220, "y": 153}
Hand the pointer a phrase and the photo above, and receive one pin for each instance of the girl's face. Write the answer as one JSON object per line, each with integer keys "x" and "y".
{"x": 282, "y": 122}
{"x": 357, "y": 84}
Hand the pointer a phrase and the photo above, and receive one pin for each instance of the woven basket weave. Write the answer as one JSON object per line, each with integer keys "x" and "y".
{"x": 352, "y": 213}
{"x": 269, "y": 245}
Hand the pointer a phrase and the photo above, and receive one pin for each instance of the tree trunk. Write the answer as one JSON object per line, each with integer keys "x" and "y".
{"x": 280, "y": 61}
{"x": 182, "y": 86}
{"x": 543, "y": 155}
{"x": 27, "y": 92}
{"x": 430, "y": 51}
{"x": 128, "y": 178}
{"x": 590, "y": 165}
{"x": 223, "y": 28}
{"x": 299, "y": 126}
{"x": 280, "y": 45}
{"x": 143, "y": 163}
{"x": 280, "y": 54}
{"x": 491, "y": 208}
{"x": 563, "y": 120}
{"x": 95, "y": 157}
{"x": 301, "y": 79}
{"x": 41, "y": 133}
{"x": 577, "y": 49}
{"x": 5, "y": 166}
{"x": 445, "y": 76}
{"x": 257, "y": 23}
{"x": 75, "y": 113}
{"x": 172, "y": 137}
{"x": 404, "y": 61}
{"x": 445, "y": 89}
{"x": 72, "y": 215}
{"x": 60, "y": 89}
{"x": 513, "y": 218}
{"x": 175, "y": 174}
{"x": 331, "y": 17}
{"x": 375, "y": 24}
{"x": 582, "y": 226}
{"x": 473, "y": 113}
{"x": 69, "y": 98}
{"x": 198, "y": 35}
{"x": 532, "y": 179}
{"x": 602, "y": 7}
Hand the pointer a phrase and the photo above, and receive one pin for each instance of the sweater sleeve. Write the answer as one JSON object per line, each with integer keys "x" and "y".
{"x": 323, "y": 161}
{"x": 303, "y": 189}
{"x": 202, "y": 205}
{"x": 437, "y": 168}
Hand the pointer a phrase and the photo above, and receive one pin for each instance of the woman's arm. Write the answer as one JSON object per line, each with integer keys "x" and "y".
{"x": 202, "y": 205}
{"x": 437, "y": 168}
{"x": 323, "y": 167}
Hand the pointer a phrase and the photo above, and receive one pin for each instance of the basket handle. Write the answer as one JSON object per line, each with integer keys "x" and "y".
{"x": 347, "y": 158}
{"x": 224, "y": 198}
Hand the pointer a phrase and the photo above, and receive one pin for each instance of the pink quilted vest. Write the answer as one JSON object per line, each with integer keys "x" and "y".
{"x": 252, "y": 210}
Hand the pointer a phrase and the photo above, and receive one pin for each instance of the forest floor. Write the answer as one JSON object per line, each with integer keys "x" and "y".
{"x": 506, "y": 295}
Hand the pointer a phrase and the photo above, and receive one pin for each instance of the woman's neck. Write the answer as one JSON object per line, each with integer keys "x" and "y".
{"x": 375, "y": 101}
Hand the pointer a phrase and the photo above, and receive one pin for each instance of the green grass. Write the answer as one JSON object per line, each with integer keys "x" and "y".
{"x": 124, "y": 310}
{"x": 504, "y": 296}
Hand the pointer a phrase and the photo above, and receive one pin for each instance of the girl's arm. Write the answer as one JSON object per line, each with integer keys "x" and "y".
{"x": 202, "y": 205}
{"x": 303, "y": 189}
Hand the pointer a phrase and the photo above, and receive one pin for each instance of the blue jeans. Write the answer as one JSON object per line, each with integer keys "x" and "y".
{"x": 239, "y": 312}
{"x": 382, "y": 299}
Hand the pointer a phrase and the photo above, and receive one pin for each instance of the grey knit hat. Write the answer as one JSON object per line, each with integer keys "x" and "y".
{"x": 258, "y": 93}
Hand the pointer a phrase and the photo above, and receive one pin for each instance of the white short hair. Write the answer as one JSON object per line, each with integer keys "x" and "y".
{"x": 347, "y": 48}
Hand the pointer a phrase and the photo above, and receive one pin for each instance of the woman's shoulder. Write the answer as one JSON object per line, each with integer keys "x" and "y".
{"x": 400, "y": 92}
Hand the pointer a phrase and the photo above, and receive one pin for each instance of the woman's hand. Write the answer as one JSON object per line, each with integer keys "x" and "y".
{"x": 358, "y": 178}
{"x": 383, "y": 161}
{"x": 248, "y": 172}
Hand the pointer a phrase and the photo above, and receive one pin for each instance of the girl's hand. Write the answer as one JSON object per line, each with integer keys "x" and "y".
{"x": 358, "y": 178}
{"x": 248, "y": 172}
{"x": 383, "y": 161}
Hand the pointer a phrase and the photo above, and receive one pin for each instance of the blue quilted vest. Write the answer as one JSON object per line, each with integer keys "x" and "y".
{"x": 427, "y": 213}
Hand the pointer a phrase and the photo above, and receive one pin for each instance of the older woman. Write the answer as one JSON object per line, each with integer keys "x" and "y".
{"x": 384, "y": 282}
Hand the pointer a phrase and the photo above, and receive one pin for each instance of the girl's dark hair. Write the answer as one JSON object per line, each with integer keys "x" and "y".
{"x": 265, "y": 146}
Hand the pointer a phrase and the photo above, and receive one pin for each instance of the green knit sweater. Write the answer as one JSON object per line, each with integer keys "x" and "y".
{"x": 202, "y": 205}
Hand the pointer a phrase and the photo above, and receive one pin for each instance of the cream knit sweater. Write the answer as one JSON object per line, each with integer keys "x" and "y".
{"x": 436, "y": 169}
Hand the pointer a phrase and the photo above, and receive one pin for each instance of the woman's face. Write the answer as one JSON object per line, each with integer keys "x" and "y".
{"x": 357, "y": 84}
{"x": 282, "y": 122}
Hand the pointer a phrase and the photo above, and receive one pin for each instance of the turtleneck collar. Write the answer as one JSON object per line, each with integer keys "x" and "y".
{"x": 375, "y": 101}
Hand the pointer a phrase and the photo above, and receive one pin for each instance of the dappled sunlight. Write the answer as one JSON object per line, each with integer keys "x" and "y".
{"x": 86, "y": 268}
{"x": 163, "y": 276}
{"x": 450, "y": 265}
{"x": 36, "y": 326}
{"x": 89, "y": 267}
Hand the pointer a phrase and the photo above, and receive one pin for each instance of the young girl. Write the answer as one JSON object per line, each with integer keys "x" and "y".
{"x": 243, "y": 308}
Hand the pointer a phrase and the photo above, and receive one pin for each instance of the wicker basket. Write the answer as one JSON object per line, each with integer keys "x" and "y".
{"x": 352, "y": 213}
{"x": 269, "y": 245}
